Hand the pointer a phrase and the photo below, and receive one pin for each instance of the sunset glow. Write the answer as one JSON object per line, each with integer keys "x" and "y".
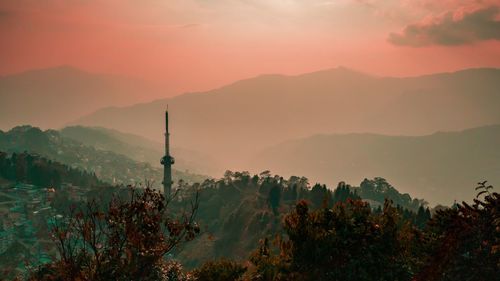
{"x": 198, "y": 45}
{"x": 250, "y": 140}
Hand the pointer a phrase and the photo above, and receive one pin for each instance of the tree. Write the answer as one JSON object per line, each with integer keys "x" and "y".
{"x": 274, "y": 197}
{"x": 423, "y": 216}
{"x": 343, "y": 192}
{"x": 219, "y": 270}
{"x": 266, "y": 265}
{"x": 346, "y": 242}
{"x": 467, "y": 246}
{"x": 125, "y": 242}
{"x": 318, "y": 194}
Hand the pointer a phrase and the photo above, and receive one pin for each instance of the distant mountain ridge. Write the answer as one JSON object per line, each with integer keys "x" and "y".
{"x": 441, "y": 167}
{"x": 51, "y": 97}
{"x": 234, "y": 122}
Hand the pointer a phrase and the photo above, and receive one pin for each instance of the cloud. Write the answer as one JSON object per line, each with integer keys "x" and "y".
{"x": 459, "y": 27}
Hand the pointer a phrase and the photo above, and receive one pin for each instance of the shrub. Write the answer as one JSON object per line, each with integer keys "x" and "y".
{"x": 219, "y": 270}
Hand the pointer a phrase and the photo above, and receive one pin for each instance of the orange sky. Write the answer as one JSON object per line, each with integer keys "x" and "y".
{"x": 192, "y": 45}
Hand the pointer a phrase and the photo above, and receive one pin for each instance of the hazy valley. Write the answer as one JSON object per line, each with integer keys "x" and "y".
{"x": 251, "y": 125}
{"x": 258, "y": 112}
{"x": 428, "y": 166}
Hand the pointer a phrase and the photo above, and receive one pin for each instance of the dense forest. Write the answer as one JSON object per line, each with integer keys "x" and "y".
{"x": 239, "y": 209}
{"x": 261, "y": 227}
{"x": 346, "y": 241}
{"x": 39, "y": 171}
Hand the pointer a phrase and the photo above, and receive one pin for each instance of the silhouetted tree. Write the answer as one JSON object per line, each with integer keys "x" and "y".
{"x": 126, "y": 242}
{"x": 219, "y": 270}
{"x": 464, "y": 241}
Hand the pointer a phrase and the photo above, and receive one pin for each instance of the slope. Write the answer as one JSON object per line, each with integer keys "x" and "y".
{"x": 139, "y": 148}
{"x": 440, "y": 167}
{"x": 108, "y": 166}
{"x": 49, "y": 98}
{"x": 234, "y": 122}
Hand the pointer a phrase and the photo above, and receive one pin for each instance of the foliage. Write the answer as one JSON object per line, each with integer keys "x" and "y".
{"x": 219, "y": 270}
{"x": 345, "y": 242}
{"x": 465, "y": 240}
{"x": 351, "y": 242}
{"x": 379, "y": 189}
{"x": 39, "y": 171}
{"x": 266, "y": 264}
{"x": 326, "y": 235}
{"x": 240, "y": 209}
{"x": 111, "y": 167}
{"x": 126, "y": 242}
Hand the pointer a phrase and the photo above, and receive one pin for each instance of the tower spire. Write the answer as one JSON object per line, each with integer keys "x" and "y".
{"x": 167, "y": 161}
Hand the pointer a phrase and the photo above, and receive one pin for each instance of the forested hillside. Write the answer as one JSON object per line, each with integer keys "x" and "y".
{"x": 264, "y": 227}
{"x": 233, "y": 213}
{"x": 140, "y": 148}
{"x": 238, "y": 210}
{"x": 440, "y": 167}
{"x": 39, "y": 171}
{"x": 106, "y": 165}
{"x": 35, "y": 193}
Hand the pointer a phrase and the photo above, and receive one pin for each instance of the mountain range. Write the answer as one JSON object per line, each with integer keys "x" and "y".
{"x": 441, "y": 167}
{"x": 49, "y": 98}
{"x": 234, "y": 122}
{"x": 248, "y": 125}
{"x": 427, "y": 166}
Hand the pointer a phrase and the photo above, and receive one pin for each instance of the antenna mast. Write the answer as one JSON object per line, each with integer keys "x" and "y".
{"x": 167, "y": 161}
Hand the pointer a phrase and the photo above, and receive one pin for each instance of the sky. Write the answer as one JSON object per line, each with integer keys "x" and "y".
{"x": 195, "y": 45}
